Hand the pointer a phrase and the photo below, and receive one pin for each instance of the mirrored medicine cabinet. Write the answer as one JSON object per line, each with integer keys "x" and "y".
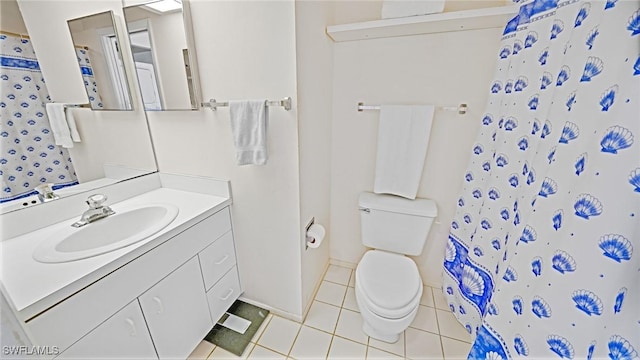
{"x": 97, "y": 47}
{"x": 160, "y": 34}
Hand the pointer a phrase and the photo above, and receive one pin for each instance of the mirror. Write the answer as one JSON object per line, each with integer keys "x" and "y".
{"x": 114, "y": 145}
{"x": 165, "y": 66}
{"x": 97, "y": 48}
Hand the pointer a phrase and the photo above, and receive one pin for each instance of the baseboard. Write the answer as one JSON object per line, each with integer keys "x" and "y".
{"x": 273, "y": 310}
{"x": 315, "y": 291}
{"x": 346, "y": 264}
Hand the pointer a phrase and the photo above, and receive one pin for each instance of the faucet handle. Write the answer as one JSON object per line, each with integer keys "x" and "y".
{"x": 45, "y": 192}
{"x": 44, "y": 189}
{"x": 95, "y": 201}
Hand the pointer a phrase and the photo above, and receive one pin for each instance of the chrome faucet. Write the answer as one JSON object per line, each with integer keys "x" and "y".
{"x": 96, "y": 210}
{"x": 45, "y": 193}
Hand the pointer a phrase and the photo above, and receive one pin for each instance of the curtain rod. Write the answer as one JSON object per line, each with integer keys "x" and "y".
{"x": 14, "y": 34}
{"x": 23, "y": 36}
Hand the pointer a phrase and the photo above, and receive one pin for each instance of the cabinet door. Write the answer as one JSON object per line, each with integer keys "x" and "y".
{"x": 177, "y": 312}
{"x": 122, "y": 336}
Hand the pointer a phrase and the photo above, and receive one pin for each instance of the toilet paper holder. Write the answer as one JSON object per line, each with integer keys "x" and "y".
{"x": 314, "y": 235}
{"x": 306, "y": 230}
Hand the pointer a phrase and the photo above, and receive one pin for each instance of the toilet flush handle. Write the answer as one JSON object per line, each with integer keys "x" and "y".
{"x": 367, "y": 210}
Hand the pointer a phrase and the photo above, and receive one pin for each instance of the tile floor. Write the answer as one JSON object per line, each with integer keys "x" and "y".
{"x": 333, "y": 330}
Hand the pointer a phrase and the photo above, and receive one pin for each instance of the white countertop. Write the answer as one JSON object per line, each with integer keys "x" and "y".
{"x": 32, "y": 286}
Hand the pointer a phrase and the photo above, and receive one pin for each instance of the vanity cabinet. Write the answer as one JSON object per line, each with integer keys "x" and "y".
{"x": 166, "y": 300}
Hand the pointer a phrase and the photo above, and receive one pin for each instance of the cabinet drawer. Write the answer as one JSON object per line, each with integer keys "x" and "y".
{"x": 223, "y": 294}
{"x": 122, "y": 336}
{"x": 217, "y": 259}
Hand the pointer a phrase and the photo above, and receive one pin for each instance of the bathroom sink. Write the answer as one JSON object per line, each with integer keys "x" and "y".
{"x": 127, "y": 226}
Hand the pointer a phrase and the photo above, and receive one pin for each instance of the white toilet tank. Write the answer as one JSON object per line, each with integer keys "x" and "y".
{"x": 394, "y": 223}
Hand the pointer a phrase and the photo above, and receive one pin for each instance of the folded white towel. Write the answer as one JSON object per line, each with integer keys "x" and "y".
{"x": 59, "y": 125}
{"x": 403, "y": 137}
{"x": 249, "y": 120}
{"x": 71, "y": 122}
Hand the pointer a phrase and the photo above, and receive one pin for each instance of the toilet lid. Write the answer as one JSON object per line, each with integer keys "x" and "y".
{"x": 390, "y": 282}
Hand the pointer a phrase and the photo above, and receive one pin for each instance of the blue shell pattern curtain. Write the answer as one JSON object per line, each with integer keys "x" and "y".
{"x": 29, "y": 156}
{"x": 542, "y": 258}
{"x": 89, "y": 80}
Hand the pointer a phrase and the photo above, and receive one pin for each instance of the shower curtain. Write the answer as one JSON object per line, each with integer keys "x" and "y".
{"x": 28, "y": 154}
{"x": 89, "y": 80}
{"x": 543, "y": 256}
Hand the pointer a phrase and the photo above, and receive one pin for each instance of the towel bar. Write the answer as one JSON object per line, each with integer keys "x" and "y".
{"x": 214, "y": 104}
{"x": 461, "y": 109}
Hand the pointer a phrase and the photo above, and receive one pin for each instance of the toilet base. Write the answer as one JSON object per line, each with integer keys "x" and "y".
{"x": 389, "y": 338}
{"x": 384, "y": 329}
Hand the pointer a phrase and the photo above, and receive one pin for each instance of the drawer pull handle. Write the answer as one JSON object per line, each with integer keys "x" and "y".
{"x": 224, "y": 298}
{"x": 133, "y": 327}
{"x": 159, "y": 303}
{"x": 224, "y": 258}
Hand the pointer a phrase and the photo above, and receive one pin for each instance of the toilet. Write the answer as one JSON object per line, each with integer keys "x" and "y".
{"x": 388, "y": 285}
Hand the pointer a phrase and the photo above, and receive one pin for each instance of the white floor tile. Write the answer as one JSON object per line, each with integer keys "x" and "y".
{"x": 373, "y": 353}
{"x": 450, "y": 327}
{"x": 260, "y": 330}
{"x": 439, "y": 299}
{"x": 427, "y": 297}
{"x": 426, "y": 319}
{"x": 422, "y": 345}
{"x": 454, "y": 349}
{"x": 350, "y": 300}
{"x": 331, "y": 293}
{"x": 352, "y": 280}
{"x": 222, "y": 354}
{"x": 346, "y": 349}
{"x": 323, "y": 316}
{"x": 311, "y": 344}
{"x": 338, "y": 274}
{"x": 263, "y": 353}
{"x": 202, "y": 351}
{"x": 395, "y": 348}
{"x": 279, "y": 335}
{"x": 350, "y": 326}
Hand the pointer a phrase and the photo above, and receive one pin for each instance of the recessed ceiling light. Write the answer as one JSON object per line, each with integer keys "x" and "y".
{"x": 164, "y": 6}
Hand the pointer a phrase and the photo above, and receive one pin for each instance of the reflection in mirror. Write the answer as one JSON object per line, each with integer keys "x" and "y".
{"x": 159, "y": 44}
{"x": 97, "y": 48}
{"x": 113, "y": 147}
{"x": 30, "y": 158}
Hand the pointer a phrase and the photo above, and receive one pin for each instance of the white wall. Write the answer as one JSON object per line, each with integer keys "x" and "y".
{"x": 349, "y": 11}
{"x": 246, "y": 50}
{"x": 440, "y": 69}
{"x": 111, "y": 137}
{"x": 314, "y": 75}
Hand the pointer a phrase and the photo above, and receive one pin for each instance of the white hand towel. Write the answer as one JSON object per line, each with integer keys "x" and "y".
{"x": 249, "y": 120}
{"x": 59, "y": 126}
{"x": 71, "y": 122}
{"x": 403, "y": 138}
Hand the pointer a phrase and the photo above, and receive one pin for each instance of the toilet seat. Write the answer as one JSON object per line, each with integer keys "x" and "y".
{"x": 390, "y": 284}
